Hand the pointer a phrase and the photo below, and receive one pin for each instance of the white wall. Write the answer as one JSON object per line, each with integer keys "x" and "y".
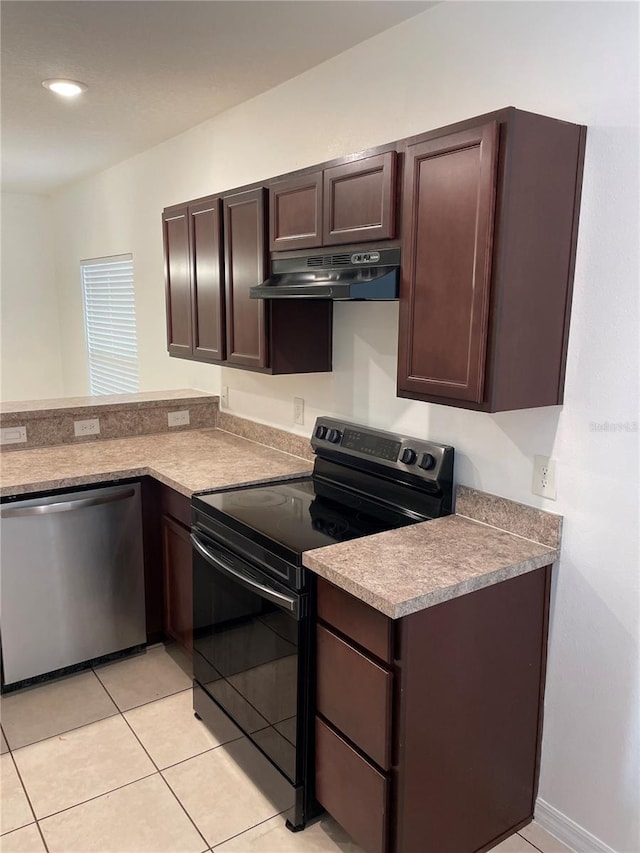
{"x": 577, "y": 61}
{"x": 31, "y": 366}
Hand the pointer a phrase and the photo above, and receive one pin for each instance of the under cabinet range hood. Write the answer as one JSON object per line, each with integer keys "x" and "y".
{"x": 372, "y": 274}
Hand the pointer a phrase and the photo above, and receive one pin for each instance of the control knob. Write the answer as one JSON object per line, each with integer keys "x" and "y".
{"x": 334, "y": 436}
{"x": 408, "y": 456}
{"x": 321, "y": 431}
{"x": 427, "y": 462}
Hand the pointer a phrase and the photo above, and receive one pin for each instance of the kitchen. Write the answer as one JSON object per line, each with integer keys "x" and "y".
{"x": 594, "y": 608}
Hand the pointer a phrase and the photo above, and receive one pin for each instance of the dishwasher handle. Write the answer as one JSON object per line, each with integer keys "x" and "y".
{"x": 287, "y": 602}
{"x": 65, "y": 506}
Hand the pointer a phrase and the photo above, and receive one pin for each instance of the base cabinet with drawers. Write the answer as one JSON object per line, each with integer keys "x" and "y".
{"x": 428, "y": 728}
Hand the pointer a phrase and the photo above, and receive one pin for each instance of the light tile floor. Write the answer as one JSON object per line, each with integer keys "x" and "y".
{"x": 112, "y": 760}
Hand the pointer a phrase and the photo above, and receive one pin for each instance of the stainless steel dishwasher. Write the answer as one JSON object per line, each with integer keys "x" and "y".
{"x": 72, "y": 579}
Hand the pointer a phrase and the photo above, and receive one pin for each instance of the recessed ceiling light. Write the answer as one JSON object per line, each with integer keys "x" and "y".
{"x": 66, "y": 88}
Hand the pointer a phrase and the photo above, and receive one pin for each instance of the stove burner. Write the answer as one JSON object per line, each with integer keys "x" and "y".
{"x": 258, "y": 499}
{"x": 334, "y": 527}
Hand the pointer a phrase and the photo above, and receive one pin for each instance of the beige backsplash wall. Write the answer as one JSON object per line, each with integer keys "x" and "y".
{"x": 577, "y": 61}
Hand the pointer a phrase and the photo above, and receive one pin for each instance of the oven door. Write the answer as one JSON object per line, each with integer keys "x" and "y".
{"x": 250, "y": 641}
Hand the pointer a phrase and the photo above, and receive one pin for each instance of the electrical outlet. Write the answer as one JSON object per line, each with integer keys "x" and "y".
{"x": 224, "y": 397}
{"x": 88, "y": 427}
{"x": 298, "y": 410}
{"x": 544, "y": 477}
{"x": 178, "y": 418}
{"x": 13, "y": 435}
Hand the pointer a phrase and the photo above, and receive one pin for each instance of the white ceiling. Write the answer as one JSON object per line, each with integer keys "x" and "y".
{"x": 154, "y": 69}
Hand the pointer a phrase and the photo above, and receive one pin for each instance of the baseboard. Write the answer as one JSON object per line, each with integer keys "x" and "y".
{"x": 567, "y": 831}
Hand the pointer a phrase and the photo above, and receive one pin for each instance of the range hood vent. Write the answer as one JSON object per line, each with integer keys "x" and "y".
{"x": 329, "y": 260}
{"x": 372, "y": 274}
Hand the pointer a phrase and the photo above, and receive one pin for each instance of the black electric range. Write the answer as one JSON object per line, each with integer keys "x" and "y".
{"x": 254, "y": 602}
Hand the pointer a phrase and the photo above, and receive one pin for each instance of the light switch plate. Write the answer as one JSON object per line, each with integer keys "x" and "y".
{"x": 298, "y": 410}
{"x": 13, "y": 435}
{"x": 178, "y": 418}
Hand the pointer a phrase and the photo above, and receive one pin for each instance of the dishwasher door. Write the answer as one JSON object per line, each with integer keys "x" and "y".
{"x": 72, "y": 579}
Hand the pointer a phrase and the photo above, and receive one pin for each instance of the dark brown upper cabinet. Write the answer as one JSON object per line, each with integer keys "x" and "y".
{"x": 245, "y": 265}
{"x": 489, "y": 226}
{"x": 295, "y": 213}
{"x": 360, "y": 200}
{"x": 352, "y": 202}
{"x": 175, "y": 232}
{"x": 193, "y": 270}
{"x": 205, "y": 233}
{"x": 274, "y": 336}
{"x": 210, "y": 315}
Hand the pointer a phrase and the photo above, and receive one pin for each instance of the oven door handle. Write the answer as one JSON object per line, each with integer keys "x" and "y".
{"x": 285, "y": 601}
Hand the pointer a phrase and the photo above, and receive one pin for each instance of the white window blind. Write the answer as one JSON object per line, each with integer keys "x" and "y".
{"x": 110, "y": 324}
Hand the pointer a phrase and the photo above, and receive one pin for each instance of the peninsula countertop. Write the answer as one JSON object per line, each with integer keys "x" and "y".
{"x": 187, "y": 461}
{"x": 398, "y": 572}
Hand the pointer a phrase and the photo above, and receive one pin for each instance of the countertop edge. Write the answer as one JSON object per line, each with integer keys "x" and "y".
{"x": 430, "y": 599}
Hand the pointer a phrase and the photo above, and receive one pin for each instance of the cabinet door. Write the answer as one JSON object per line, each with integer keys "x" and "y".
{"x": 447, "y": 224}
{"x": 205, "y": 227}
{"x": 245, "y": 266}
{"x": 175, "y": 231}
{"x": 360, "y": 200}
{"x": 178, "y": 582}
{"x": 295, "y": 213}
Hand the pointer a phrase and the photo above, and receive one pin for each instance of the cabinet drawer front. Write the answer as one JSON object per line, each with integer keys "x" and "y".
{"x": 351, "y": 790}
{"x": 355, "y": 694}
{"x": 447, "y": 222}
{"x": 360, "y": 200}
{"x": 368, "y": 627}
{"x": 295, "y": 213}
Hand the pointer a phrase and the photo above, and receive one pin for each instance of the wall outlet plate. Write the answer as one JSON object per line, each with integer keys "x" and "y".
{"x": 298, "y": 410}
{"x": 88, "y": 427}
{"x": 178, "y": 418}
{"x": 13, "y": 435}
{"x": 224, "y": 396}
{"x": 544, "y": 477}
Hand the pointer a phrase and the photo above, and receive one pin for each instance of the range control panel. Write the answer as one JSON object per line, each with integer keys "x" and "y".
{"x": 400, "y": 452}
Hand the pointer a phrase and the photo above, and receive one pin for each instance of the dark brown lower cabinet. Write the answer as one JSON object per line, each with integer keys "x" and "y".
{"x": 178, "y": 589}
{"x": 438, "y": 750}
{"x": 351, "y": 789}
{"x": 177, "y": 580}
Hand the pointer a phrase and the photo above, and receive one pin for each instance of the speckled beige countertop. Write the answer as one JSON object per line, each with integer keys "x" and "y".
{"x": 402, "y": 571}
{"x": 398, "y": 572}
{"x": 186, "y": 461}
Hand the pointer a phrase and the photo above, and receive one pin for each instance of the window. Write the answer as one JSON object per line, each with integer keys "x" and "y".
{"x": 110, "y": 324}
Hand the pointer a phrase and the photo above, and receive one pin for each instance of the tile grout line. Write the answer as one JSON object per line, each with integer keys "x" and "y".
{"x": 244, "y": 831}
{"x": 28, "y": 799}
{"x": 96, "y": 797}
{"x": 114, "y": 713}
{"x": 64, "y": 732}
{"x": 146, "y": 752}
{"x": 535, "y": 847}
